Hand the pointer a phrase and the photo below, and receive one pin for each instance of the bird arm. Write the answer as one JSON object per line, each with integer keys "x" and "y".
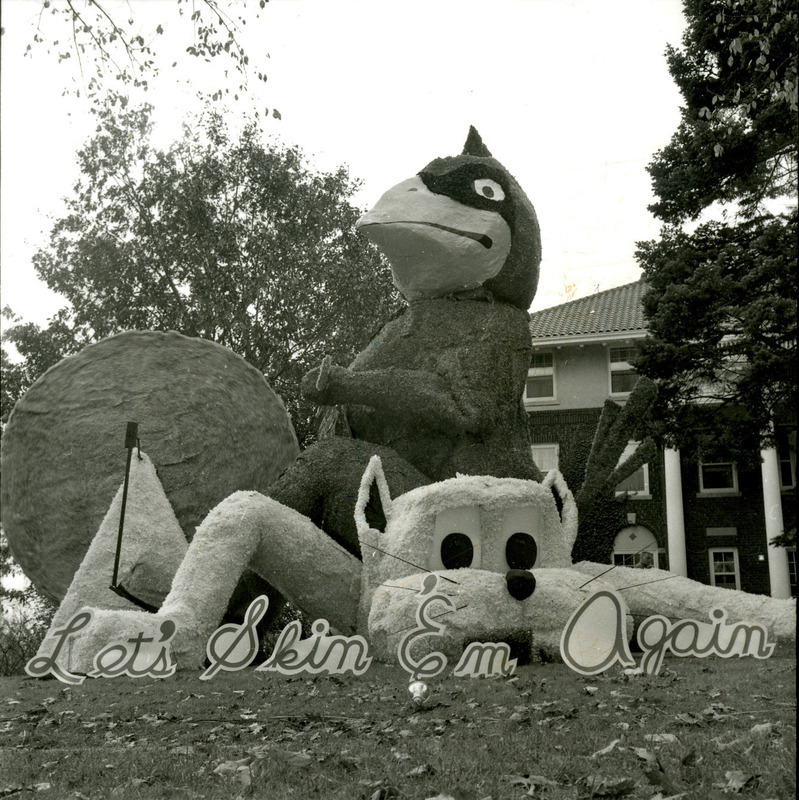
{"x": 406, "y": 394}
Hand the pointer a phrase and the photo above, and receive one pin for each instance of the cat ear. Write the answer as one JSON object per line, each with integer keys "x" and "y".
{"x": 367, "y": 497}
{"x": 564, "y": 501}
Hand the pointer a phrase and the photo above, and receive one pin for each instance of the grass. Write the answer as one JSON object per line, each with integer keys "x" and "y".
{"x": 702, "y": 729}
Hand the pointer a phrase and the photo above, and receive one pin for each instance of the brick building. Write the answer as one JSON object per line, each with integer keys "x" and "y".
{"x": 704, "y": 520}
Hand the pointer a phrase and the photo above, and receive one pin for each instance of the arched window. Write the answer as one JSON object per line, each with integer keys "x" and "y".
{"x": 631, "y": 542}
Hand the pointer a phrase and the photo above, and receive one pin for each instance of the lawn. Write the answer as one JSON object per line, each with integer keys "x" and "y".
{"x": 707, "y": 728}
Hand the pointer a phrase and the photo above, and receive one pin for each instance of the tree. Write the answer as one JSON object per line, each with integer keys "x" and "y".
{"x": 722, "y": 298}
{"x": 721, "y": 309}
{"x": 220, "y": 237}
{"x": 105, "y": 41}
{"x": 737, "y": 139}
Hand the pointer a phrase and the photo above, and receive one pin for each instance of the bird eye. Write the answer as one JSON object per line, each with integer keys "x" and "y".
{"x": 485, "y": 187}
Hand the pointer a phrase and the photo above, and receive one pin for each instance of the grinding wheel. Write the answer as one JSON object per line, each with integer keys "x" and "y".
{"x": 209, "y": 422}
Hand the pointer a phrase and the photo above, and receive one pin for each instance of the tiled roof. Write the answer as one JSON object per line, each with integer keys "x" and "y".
{"x": 612, "y": 311}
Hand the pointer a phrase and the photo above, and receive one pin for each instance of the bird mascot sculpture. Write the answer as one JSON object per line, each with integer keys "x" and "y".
{"x": 424, "y": 464}
{"x": 438, "y": 390}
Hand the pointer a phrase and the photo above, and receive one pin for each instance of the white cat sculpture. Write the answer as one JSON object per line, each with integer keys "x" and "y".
{"x": 501, "y": 549}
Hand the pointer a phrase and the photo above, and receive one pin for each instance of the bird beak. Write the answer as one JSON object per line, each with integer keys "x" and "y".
{"x": 435, "y": 244}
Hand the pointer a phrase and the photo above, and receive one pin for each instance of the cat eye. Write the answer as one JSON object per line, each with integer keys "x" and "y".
{"x": 457, "y": 551}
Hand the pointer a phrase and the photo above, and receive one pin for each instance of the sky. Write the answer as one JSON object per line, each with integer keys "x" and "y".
{"x": 574, "y": 98}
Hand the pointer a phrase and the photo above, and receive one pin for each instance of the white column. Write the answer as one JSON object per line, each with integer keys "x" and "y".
{"x": 772, "y": 503}
{"x": 675, "y": 519}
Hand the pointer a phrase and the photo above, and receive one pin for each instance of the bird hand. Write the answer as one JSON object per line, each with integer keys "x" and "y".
{"x": 316, "y": 384}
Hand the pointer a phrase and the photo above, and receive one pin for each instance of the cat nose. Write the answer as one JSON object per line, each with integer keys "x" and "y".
{"x": 521, "y": 583}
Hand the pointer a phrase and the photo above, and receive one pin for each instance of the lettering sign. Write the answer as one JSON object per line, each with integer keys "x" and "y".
{"x": 233, "y": 647}
{"x": 485, "y": 660}
{"x": 479, "y": 659}
{"x": 687, "y": 637}
{"x": 139, "y": 656}
{"x": 594, "y": 638}
{"x": 434, "y": 662}
{"x": 42, "y": 666}
{"x": 319, "y": 653}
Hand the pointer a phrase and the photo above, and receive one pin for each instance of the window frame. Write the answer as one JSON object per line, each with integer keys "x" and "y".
{"x": 646, "y": 492}
{"x": 736, "y": 566}
{"x": 546, "y": 444}
{"x": 539, "y": 372}
{"x": 619, "y": 366}
{"x": 786, "y": 455}
{"x": 719, "y": 492}
{"x": 621, "y": 557}
{"x": 632, "y": 555}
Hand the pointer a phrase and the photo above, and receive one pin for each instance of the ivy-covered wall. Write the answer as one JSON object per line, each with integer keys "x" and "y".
{"x": 574, "y": 432}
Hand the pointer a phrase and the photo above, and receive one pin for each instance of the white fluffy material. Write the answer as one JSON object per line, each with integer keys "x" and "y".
{"x": 153, "y": 546}
{"x": 484, "y": 611}
{"x": 280, "y": 544}
{"x": 245, "y": 530}
{"x": 379, "y": 598}
{"x": 677, "y": 597}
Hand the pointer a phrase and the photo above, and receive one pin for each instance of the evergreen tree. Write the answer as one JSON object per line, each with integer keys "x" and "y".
{"x": 722, "y": 299}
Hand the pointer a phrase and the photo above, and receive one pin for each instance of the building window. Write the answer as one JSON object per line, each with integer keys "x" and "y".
{"x": 787, "y": 459}
{"x": 623, "y": 376}
{"x": 637, "y": 485}
{"x": 546, "y": 456}
{"x": 718, "y": 477}
{"x": 792, "y": 568}
{"x": 540, "y": 384}
{"x": 630, "y": 545}
{"x": 724, "y": 570}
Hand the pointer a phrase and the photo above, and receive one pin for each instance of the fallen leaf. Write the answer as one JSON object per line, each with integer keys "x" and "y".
{"x": 530, "y": 782}
{"x": 657, "y": 777}
{"x": 716, "y": 712}
{"x": 592, "y": 690}
{"x": 457, "y": 794}
{"x": 293, "y": 759}
{"x": 233, "y": 766}
{"x": 737, "y": 781}
{"x": 721, "y": 745}
{"x": 690, "y": 719}
{"x": 646, "y": 755}
{"x": 763, "y": 728}
{"x": 385, "y": 793}
{"x": 605, "y": 750}
{"x": 691, "y": 759}
{"x": 661, "y": 738}
{"x": 421, "y": 771}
